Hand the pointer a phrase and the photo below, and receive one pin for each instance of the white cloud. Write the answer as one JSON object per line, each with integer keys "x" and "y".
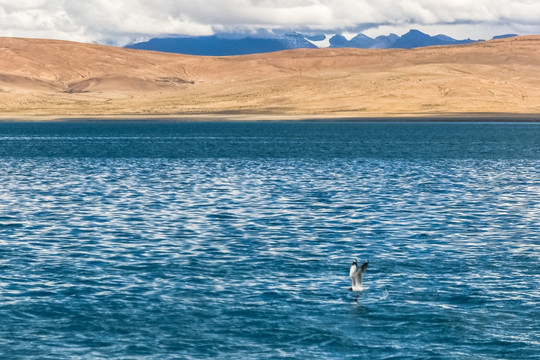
{"x": 119, "y": 21}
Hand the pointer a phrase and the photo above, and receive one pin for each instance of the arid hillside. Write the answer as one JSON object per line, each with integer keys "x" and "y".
{"x": 59, "y": 78}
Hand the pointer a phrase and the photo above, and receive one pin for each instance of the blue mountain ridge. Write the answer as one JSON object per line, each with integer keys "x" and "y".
{"x": 225, "y": 44}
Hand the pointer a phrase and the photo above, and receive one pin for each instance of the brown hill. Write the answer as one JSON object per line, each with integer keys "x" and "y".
{"x": 59, "y": 78}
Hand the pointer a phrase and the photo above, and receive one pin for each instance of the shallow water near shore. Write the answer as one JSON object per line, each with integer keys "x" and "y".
{"x": 234, "y": 240}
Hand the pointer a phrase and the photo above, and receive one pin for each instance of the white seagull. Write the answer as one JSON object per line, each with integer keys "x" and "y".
{"x": 356, "y": 277}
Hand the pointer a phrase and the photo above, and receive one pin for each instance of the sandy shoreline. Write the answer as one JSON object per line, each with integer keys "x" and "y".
{"x": 453, "y": 117}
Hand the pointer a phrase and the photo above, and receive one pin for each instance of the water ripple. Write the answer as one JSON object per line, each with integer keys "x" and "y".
{"x": 110, "y": 257}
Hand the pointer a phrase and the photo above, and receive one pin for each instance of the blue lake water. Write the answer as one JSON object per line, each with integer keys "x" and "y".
{"x": 234, "y": 240}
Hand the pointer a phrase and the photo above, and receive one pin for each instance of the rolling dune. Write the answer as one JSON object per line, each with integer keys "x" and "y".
{"x": 58, "y": 78}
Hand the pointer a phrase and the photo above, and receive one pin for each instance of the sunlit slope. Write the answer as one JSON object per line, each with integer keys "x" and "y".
{"x": 48, "y": 77}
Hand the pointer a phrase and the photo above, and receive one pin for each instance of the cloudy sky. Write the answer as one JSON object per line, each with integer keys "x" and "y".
{"x": 119, "y": 22}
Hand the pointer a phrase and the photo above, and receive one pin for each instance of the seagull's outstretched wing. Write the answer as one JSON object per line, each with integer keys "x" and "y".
{"x": 353, "y": 274}
{"x": 357, "y": 280}
{"x": 364, "y": 266}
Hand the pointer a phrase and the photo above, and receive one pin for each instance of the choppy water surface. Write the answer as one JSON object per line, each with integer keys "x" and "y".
{"x": 234, "y": 241}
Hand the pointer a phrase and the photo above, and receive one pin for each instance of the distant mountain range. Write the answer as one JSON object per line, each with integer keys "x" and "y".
{"x": 222, "y": 45}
